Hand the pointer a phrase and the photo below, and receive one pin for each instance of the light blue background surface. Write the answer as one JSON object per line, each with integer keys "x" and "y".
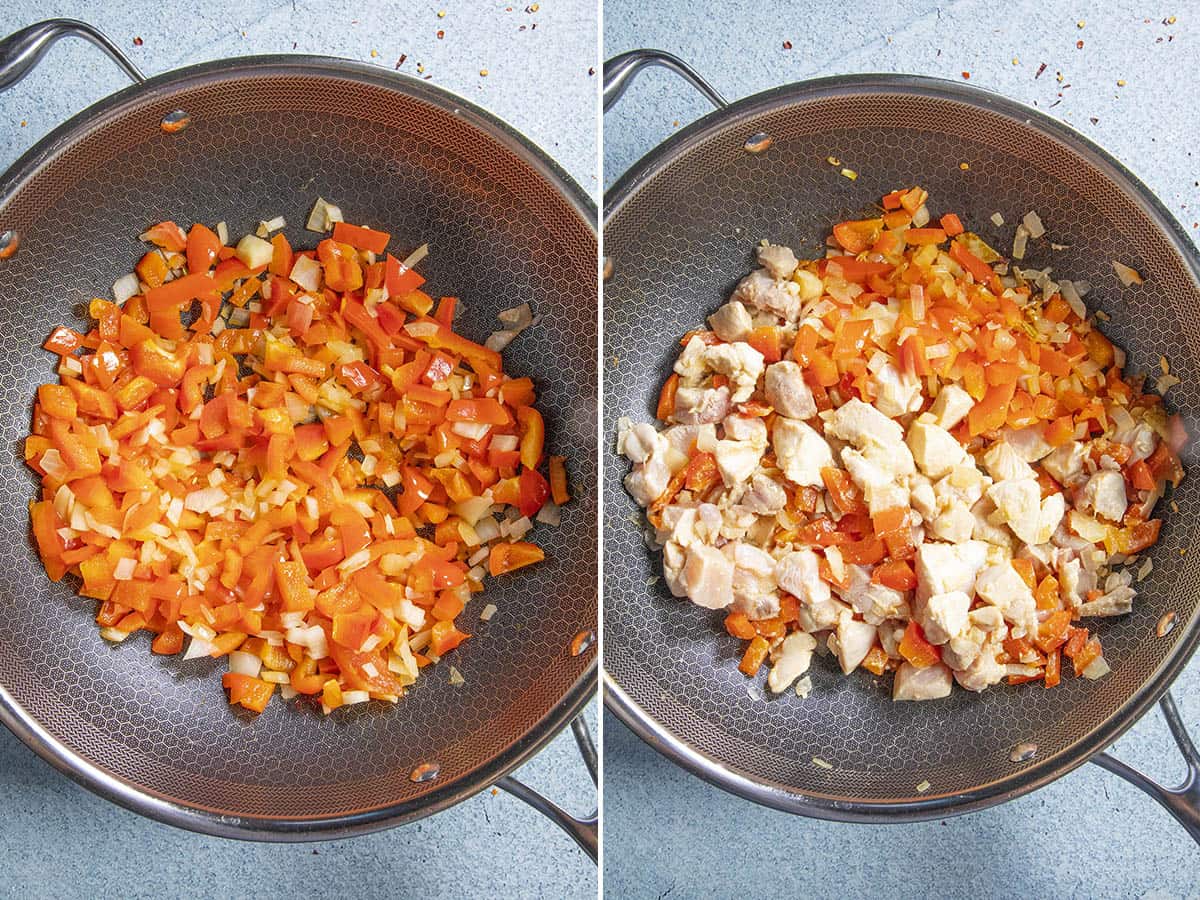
{"x": 668, "y": 834}
{"x": 58, "y": 840}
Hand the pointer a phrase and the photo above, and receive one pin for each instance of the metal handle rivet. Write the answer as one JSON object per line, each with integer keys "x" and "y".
{"x": 757, "y": 142}
{"x": 175, "y": 121}
{"x": 1165, "y": 625}
{"x": 583, "y": 642}
{"x": 425, "y": 772}
{"x": 1023, "y": 752}
{"x": 607, "y": 270}
{"x": 10, "y": 241}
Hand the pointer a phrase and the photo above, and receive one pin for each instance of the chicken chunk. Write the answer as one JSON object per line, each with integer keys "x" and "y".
{"x": 798, "y": 574}
{"x": 1004, "y": 463}
{"x": 951, "y": 406}
{"x": 683, "y": 438}
{"x": 854, "y": 640}
{"x": 945, "y": 616}
{"x": 764, "y": 497}
{"x": 648, "y": 480}
{"x": 1029, "y": 443}
{"x": 753, "y": 580}
{"x": 1104, "y": 494}
{"x": 1065, "y": 464}
{"x": 930, "y": 683}
{"x": 1019, "y": 505}
{"x": 945, "y": 568}
{"x": 795, "y": 656}
{"x": 737, "y": 460}
{"x": 922, "y": 497}
{"x": 862, "y": 425}
{"x": 731, "y": 322}
{"x": 874, "y": 602}
{"x": 780, "y": 261}
{"x": 699, "y": 406}
{"x": 741, "y": 363}
{"x": 983, "y": 672}
{"x": 674, "y": 560}
{"x": 787, "y": 392}
{"x": 955, "y": 524}
{"x": 879, "y": 487}
{"x": 639, "y": 442}
{"x": 750, "y": 429}
{"x": 1004, "y": 588}
{"x": 896, "y": 393}
{"x": 708, "y": 577}
{"x": 760, "y": 290}
{"x": 800, "y": 451}
{"x": 935, "y": 450}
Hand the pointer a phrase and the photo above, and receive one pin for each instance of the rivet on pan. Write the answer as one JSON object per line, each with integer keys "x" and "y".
{"x": 757, "y": 142}
{"x": 582, "y": 642}
{"x": 607, "y": 270}
{"x": 425, "y": 772}
{"x": 10, "y": 241}
{"x": 1165, "y": 625}
{"x": 175, "y": 121}
{"x": 1023, "y": 752}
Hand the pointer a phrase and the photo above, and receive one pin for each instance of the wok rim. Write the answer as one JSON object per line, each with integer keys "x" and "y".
{"x": 788, "y": 798}
{"x": 209, "y": 821}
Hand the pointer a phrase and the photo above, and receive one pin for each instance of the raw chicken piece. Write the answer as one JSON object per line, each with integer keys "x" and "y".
{"x": 780, "y": 261}
{"x": 874, "y": 602}
{"x": 896, "y": 393}
{"x": 945, "y": 616}
{"x": 930, "y": 683}
{"x": 737, "y": 460}
{"x": 951, "y": 406}
{"x": 943, "y": 568}
{"x": 696, "y": 406}
{"x": 639, "y": 442}
{"x": 935, "y": 450}
{"x": 683, "y": 438}
{"x": 648, "y": 480}
{"x": 746, "y": 428}
{"x": 787, "y": 392}
{"x": 1004, "y": 463}
{"x": 1074, "y": 581}
{"x": 753, "y": 580}
{"x": 708, "y": 577}
{"x": 764, "y": 497}
{"x": 795, "y": 656}
{"x": 692, "y": 365}
{"x": 800, "y": 451}
{"x": 731, "y": 322}
{"x": 1004, "y": 588}
{"x": 741, "y": 363}
{"x": 760, "y": 290}
{"x": 854, "y": 640}
{"x": 983, "y": 672}
{"x": 1104, "y": 494}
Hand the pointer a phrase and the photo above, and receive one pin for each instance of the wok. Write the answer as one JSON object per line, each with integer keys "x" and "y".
{"x": 245, "y": 140}
{"x": 679, "y": 231}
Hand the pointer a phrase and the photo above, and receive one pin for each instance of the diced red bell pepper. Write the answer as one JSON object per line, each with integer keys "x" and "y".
{"x": 535, "y": 491}
{"x": 361, "y": 238}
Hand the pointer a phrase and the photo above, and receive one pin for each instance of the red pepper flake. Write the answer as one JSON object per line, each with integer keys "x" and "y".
{"x": 441, "y": 35}
{"x": 966, "y": 75}
{"x": 400, "y": 61}
{"x": 137, "y": 42}
{"x": 1041, "y": 69}
{"x": 1079, "y": 45}
{"x": 787, "y": 45}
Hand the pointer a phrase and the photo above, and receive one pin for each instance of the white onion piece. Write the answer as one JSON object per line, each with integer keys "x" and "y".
{"x": 416, "y": 256}
{"x": 198, "y": 647}
{"x": 242, "y": 663}
{"x": 125, "y": 287}
{"x": 306, "y": 272}
{"x": 1097, "y": 668}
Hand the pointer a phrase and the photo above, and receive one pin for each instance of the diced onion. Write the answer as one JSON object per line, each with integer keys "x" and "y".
{"x": 350, "y": 698}
{"x": 416, "y": 256}
{"x": 124, "y": 569}
{"x": 1097, "y": 668}
{"x": 242, "y": 663}
{"x": 125, "y": 287}
{"x": 1126, "y": 275}
{"x": 306, "y": 272}
{"x": 487, "y": 612}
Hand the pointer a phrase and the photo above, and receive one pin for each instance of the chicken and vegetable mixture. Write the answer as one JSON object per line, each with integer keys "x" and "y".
{"x": 911, "y": 453}
{"x": 311, "y": 477}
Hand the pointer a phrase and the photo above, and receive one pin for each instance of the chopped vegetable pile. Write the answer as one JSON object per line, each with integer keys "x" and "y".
{"x": 289, "y": 458}
{"x": 908, "y": 453}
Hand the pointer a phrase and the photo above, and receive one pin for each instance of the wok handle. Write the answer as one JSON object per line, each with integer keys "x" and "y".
{"x": 584, "y": 831}
{"x": 1183, "y": 802}
{"x": 24, "y": 49}
{"x": 620, "y": 71}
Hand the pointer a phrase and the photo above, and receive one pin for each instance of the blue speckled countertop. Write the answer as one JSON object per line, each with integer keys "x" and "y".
{"x": 58, "y": 840}
{"x": 668, "y": 834}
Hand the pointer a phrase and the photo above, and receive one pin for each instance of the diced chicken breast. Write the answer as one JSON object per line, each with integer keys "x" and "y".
{"x": 684, "y": 438}
{"x": 648, "y": 480}
{"x": 1004, "y": 588}
{"x": 922, "y": 498}
{"x": 854, "y": 640}
{"x": 640, "y": 442}
{"x": 1029, "y": 443}
{"x": 786, "y": 391}
{"x": 983, "y": 672}
{"x": 741, "y": 363}
{"x": 1066, "y": 462}
{"x": 1004, "y": 463}
{"x": 764, "y": 497}
{"x": 930, "y": 683}
{"x": 1074, "y": 581}
{"x": 731, "y": 322}
{"x": 879, "y": 487}
{"x": 778, "y": 260}
{"x": 795, "y": 656}
{"x": 697, "y": 406}
{"x": 934, "y": 449}
{"x": 874, "y": 602}
{"x": 674, "y": 561}
{"x": 951, "y": 406}
{"x": 737, "y": 460}
{"x": 1143, "y": 442}
{"x": 945, "y": 616}
{"x": 861, "y": 424}
{"x": 945, "y": 568}
{"x": 793, "y": 660}
{"x": 746, "y": 428}
{"x": 692, "y": 365}
{"x": 896, "y": 393}
{"x": 800, "y": 451}
{"x": 987, "y": 619}
{"x": 1019, "y": 506}
{"x": 753, "y": 579}
{"x": 708, "y": 577}
{"x": 1053, "y": 509}
{"x": 797, "y": 573}
{"x": 760, "y": 290}
{"x": 963, "y": 649}
{"x": 955, "y": 524}
{"x": 1104, "y": 494}
{"x": 994, "y": 535}
{"x": 963, "y": 486}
